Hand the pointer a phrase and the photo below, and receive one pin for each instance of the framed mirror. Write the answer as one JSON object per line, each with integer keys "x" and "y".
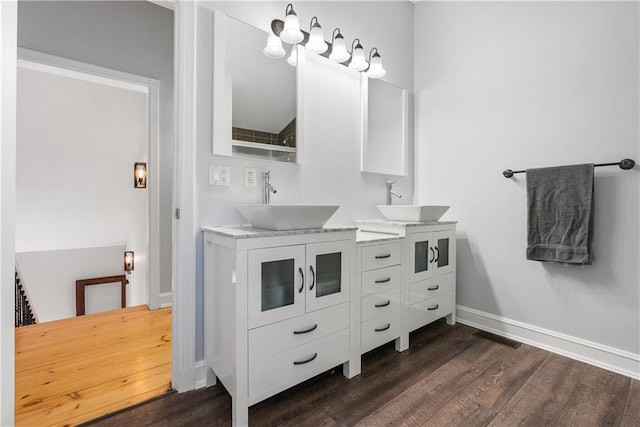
{"x": 254, "y": 97}
{"x": 384, "y": 127}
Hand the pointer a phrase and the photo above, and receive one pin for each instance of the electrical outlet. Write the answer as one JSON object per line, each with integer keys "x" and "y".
{"x": 220, "y": 175}
{"x": 250, "y": 177}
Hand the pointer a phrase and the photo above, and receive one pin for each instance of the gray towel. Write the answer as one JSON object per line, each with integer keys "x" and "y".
{"x": 560, "y": 214}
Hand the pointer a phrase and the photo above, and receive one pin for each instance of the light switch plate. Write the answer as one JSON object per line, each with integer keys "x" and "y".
{"x": 250, "y": 177}
{"x": 220, "y": 175}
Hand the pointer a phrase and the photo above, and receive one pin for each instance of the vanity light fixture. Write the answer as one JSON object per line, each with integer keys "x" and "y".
{"x": 291, "y": 32}
{"x": 140, "y": 175}
{"x": 128, "y": 261}
{"x": 338, "y": 48}
{"x": 376, "y": 70}
{"x": 274, "y": 48}
{"x": 316, "y": 43}
{"x": 293, "y": 57}
{"x": 358, "y": 62}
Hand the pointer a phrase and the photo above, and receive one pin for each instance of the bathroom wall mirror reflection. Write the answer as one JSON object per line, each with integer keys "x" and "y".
{"x": 256, "y": 116}
{"x": 384, "y": 127}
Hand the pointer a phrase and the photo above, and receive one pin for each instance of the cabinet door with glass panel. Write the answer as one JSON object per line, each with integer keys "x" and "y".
{"x": 431, "y": 254}
{"x": 289, "y": 281}
{"x": 327, "y": 274}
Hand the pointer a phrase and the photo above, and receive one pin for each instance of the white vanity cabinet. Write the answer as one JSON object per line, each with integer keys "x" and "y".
{"x": 380, "y": 282}
{"x": 428, "y": 272}
{"x": 278, "y": 309}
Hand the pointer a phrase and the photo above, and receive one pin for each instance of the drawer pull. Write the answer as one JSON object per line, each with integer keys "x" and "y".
{"x": 313, "y": 278}
{"x": 433, "y": 255}
{"x": 388, "y": 279}
{"x": 383, "y": 328}
{"x": 433, "y": 307}
{"x": 306, "y": 331}
{"x": 302, "y": 284}
{"x": 302, "y": 362}
{"x": 433, "y": 288}
{"x": 384, "y": 304}
{"x": 383, "y": 256}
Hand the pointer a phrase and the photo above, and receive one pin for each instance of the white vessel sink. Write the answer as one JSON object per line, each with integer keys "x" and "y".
{"x": 413, "y": 213}
{"x": 287, "y": 217}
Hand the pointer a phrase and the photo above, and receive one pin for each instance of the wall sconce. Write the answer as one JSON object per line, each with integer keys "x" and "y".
{"x": 128, "y": 261}
{"x": 140, "y": 175}
{"x": 288, "y": 31}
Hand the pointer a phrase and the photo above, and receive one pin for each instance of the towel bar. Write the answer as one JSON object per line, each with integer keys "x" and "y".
{"x": 625, "y": 164}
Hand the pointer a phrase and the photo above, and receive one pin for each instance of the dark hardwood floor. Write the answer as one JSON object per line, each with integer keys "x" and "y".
{"x": 448, "y": 377}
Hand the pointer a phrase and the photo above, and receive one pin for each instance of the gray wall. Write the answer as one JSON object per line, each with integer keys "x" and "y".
{"x": 533, "y": 84}
{"x": 131, "y": 36}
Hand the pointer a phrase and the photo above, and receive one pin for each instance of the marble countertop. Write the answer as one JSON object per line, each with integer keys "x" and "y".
{"x": 246, "y": 231}
{"x": 373, "y": 236}
{"x": 402, "y": 223}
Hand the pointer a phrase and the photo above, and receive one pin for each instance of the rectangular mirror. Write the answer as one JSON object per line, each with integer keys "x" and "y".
{"x": 384, "y": 127}
{"x": 255, "y": 97}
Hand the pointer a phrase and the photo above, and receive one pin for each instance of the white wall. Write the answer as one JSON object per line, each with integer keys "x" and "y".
{"x": 330, "y": 172}
{"x": 533, "y": 84}
{"x": 131, "y": 36}
{"x": 77, "y": 143}
{"x": 50, "y": 277}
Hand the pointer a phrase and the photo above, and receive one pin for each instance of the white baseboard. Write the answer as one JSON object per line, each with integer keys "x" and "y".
{"x": 166, "y": 299}
{"x": 200, "y": 374}
{"x": 612, "y": 359}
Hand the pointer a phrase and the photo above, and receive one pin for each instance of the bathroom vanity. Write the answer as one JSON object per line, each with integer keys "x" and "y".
{"x": 278, "y": 309}
{"x": 283, "y": 306}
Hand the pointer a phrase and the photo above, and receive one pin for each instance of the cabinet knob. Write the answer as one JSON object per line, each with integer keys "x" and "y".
{"x": 383, "y": 256}
{"x": 433, "y": 307}
{"x": 388, "y": 279}
{"x": 433, "y": 288}
{"x": 313, "y": 278}
{"x": 384, "y": 304}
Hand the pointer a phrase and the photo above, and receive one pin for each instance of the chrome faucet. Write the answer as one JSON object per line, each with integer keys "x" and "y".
{"x": 391, "y": 192}
{"x": 267, "y": 188}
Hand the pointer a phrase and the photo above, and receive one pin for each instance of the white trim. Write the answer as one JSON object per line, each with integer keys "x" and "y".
{"x": 57, "y": 65}
{"x": 8, "y": 54}
{"x": 166, "y": 299}
{"x": 183, "y": 248}
{"x": 200, "y": 374}
{"x": 261, "y": 146}
{"x": 168, "y": 4}
{"x": 603, "y": 356}
{"x": 61, "y": 66}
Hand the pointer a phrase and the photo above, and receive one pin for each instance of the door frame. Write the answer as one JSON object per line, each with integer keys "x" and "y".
{"x": 184, "y": 225}
{"x": 44, "y": 62}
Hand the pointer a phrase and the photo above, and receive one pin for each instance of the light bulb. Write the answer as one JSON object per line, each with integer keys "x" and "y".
{"x": 316, "y": 43}
{"x": 358, "y": 62}
{"x": 339, "y": 50}
{"x": 376, "y": 70}
{"x": 274, "y": 48}
{"x": 291, "y": 32}
{"x": 293, "y": 57}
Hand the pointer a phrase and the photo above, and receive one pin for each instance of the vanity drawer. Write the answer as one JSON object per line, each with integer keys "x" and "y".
{"x": 380, "y": 256}
{"x": 377, "y": 281}
{"x": 382, "y": 303}
{"x": 281, "y": 336}
{"x": 429, "y": 310}
{"x": 279, "y": 372}
{"x": 430, "y": 288}
{"x": 380, "y": 330}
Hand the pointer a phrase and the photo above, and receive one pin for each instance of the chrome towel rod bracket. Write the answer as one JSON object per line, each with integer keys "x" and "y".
{"x": 624, "y": 164}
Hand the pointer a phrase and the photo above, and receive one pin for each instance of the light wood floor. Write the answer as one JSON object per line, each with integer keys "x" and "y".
{"x": 448, "y": 377}
{"x": 73, "y": 370}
